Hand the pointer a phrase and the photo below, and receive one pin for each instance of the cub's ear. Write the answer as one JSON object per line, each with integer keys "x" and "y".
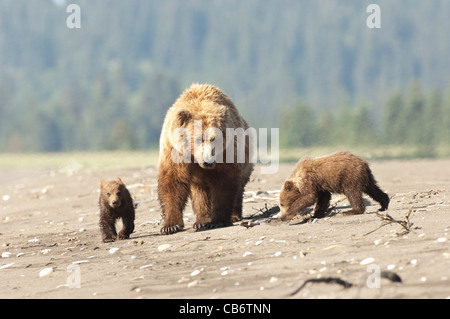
{"x": 288, "y": 185}
{"x": 183, "y": 117}
{"x": 118, "y": 180}
{"x": 102, "y": 183}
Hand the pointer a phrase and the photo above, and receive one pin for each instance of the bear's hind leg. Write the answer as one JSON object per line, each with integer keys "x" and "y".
{"x": 356, "y": 201}
{"x": 237, "y": 207}
{"x": 201, "y": 204}
{"x": 378, "y": 195}
{"x": 223, "y": 198}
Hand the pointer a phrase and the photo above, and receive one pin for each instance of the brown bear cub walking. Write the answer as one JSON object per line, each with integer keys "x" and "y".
{"x": 200, "y": 160}
{"x": 115, "y": 202}
{"x": 313, "y": 181}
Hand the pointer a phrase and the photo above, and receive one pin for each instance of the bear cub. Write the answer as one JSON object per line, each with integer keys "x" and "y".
{"x": 313, "y": 181}
{"x": 115, "y": 202}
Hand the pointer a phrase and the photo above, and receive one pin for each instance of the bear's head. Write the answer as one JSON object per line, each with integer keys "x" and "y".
{"x": 113, "y": 192}
{"x": 289, "y": 193}
{"x": 200, "y": 138}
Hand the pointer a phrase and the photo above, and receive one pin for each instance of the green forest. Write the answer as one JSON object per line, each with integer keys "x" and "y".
{"x": 411, "y": 118}
{"x": 311, "y": 68}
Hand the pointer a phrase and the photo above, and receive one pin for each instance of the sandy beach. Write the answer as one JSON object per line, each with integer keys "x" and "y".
{"x": 51, "y": 246}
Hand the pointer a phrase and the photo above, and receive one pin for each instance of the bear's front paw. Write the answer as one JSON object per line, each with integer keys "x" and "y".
{"x": 123, "y": 236}
{"x": 207, "y": 225}
{"x": 200, "y": 225}
{"x": 170, "y": 229}
{"x": 214, "y": 225}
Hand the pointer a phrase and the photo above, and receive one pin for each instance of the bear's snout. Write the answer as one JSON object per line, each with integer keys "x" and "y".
{"x": 114, "y": 203}
{"x": 286, "y": 213}
{"x": 208, "y": 165}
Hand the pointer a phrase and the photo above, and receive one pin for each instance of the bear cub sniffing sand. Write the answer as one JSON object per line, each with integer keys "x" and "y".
{"x": 313, "y": 181}
{"x": 115, "y": 202}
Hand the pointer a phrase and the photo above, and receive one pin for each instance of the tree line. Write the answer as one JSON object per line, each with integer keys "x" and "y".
{"x": 413, "y": 117}
{"x": 108, "y": 84}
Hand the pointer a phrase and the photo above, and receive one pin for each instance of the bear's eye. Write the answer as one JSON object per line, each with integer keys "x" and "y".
{"x": 108, "y": 194}
{"x": 118, "y": 193}
{"x": 282, "y": 205}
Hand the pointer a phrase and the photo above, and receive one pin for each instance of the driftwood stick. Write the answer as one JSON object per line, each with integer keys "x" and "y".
{"x": 327, "y": 280}
{"x": 405, "y": 223}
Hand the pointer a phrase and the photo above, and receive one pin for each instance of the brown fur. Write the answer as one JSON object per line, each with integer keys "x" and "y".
{"x": 115, "y": 202}
{"x": 313, "y": 181}
{"x": 215, "y": 189}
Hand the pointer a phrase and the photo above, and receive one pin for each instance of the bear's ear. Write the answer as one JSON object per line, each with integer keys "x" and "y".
{"x": 288, "y": 185}
{"x": 102, "y": 183}
{"x": 118, "y": 180}
{"x": 222, "y": 112}
{"x": 183, "y": 117}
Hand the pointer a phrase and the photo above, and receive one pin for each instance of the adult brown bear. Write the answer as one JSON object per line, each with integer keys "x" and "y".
{"x": 196, "y": 161}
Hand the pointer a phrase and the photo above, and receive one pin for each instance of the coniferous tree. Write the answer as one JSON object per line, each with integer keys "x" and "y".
{"x": 363, "y": 128}
{"x": 326, "y": 126}
{"x": 392, "y": 131}
{"x": 298, "y": 127}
